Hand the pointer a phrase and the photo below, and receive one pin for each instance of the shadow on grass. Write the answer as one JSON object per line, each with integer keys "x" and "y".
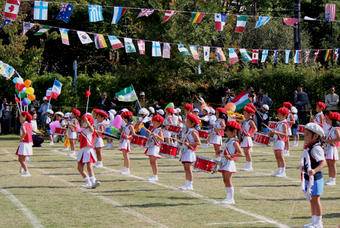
{"x": 62, "y": 174}
{"x": 9, "y": 138}
{"x": 297, "y": 199}
{"x": 172, "y": 197}
{"x": 331, "y": 215}
{"x": 271, "y": 185}
{"x": 37, "y": 187}
{"x": 136, "y": 190}
{"x": 148, "y": 205}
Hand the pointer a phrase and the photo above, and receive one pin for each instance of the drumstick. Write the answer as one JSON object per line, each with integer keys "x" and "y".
{"x": 270, "y": 129}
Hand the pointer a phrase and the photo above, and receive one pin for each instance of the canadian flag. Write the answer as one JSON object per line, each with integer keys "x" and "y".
{"x": 255, "y": 57}
{"x": 12, "y": 9}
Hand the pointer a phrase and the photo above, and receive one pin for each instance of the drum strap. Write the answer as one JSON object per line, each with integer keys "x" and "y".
{"x": 307, "y": 192}
{"x": 89, "y": 138}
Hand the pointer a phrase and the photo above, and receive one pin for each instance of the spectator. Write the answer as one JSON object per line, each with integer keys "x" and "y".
{"x": 251, "y": 94}
{"x": 301, "y": 103}
{"x": 332, "y": 100}
{"x": 228, "y": 97}
{"x": 141, "y": 103}
{"x": 6, "y": 119}
{"x": 104, "y": 102}
{"x": 43, "y": 109}
{"x": 262, "y": 99}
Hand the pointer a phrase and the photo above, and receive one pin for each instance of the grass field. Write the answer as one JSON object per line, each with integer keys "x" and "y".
{"x": 52, "y": 196}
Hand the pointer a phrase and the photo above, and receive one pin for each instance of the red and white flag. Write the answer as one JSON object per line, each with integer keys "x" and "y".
{"x": 255, "y": 57}
{"x": 307, "y": 52}
{"x": 169, "y": 14}
{"x": 141, "y": 47}
{"x": 11, "y": 9}
{"x": 316, "y": 54}
{"x": 330, "y": 12}
{"x": 220, "y": 19}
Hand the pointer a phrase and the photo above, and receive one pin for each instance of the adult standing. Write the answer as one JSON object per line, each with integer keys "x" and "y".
{"x": 332, "y": 100}
{"x": 261, "y": 100}
{"x": 228, "y": 97}
{"x": 6, "y": 119}
{"x": 43, "y": 110}
{"x": 143, "y": 102}
{"x": 301, "y": 102}
{"x": 104, "y": 102}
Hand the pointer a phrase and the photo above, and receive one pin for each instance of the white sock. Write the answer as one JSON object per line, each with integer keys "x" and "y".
{"x": 93, "y": 180}
{"x": 155, "y": 176}
{"x": 99, "y": 162}
{"x": 249, "y": 165}
{"x": 226, "y": 193}
{"x": 230, "y": 193}
{"x": 279, "y": 170}
{"x": 318, "y": 219}
{"x": 313, "y": 218}
{"x": 283, "y": 170}
{"x": 189, "y": 183}
{"x": 186, "y": 183}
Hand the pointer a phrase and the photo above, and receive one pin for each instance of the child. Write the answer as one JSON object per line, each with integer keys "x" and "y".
{"x": 98, "y": 141}
{"x": 188, "y": 109}
{"x": 59, "y": 117}
{"x": 332, "y": 139}
{"x": 126, "y": 136}
{"x": 216, "y": 137}
{"x": 48, "y": 120}
{"x": 112, "y": 114}
{"x": 290, "y": 121}
{"x": 155, "y": 139}
{"x": 312, "y": 161}
{"x": 264, "y": 113}
{"x": 67, "y": 118}
{"x": 37, "y": 141}
{"x": 167, "y": 122}
{"x": 248, "y": 129}
{"x": 231, "y": 150}
{"x": 295, "y": 126}
{"x": 280, "y": 134}
{"x": 189, "y": 145}
{"x": 73, "y": 125}
{"x": 319, "y": 116}
{"x": 26, "y": 142}
{"x": 86, "y": 154}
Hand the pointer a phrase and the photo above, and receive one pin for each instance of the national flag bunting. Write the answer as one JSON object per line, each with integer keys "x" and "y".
{"x": 127, "y": 94}
{"x": 194, "y": 52}
{"x": 297, "y": 57}
{"x": 169, "y": 14}
{"x": 65, "y": 12}
{"x": 241, "y": 23}
{"x": 129, "y": 46}
{"x": 156, "y": 49}
{"x": 197, "y": 18}
{"x": 99, "y": 41}
{"x": 95, "y": 13}
{"x": 262, "y": 21}
{"x": 26, "y": 26}
{"x": 145, "y": 12}
{"x": 43, "y": 30}
{"x": 241, "y": 100}
{"x": 264, "y": 56}
{"x": 84, "y": 37}
{"x": 290, "y": 21}
{"x": 40, "y": 10}
{"x": 220, "y": 55}
{"x": 287, "y": 54}
{"x": 255, "y": 57}
{"x": 118, "y": 13}
{"x": 56, "y": 89}
{"x": 232, "y": 56}
{"x": 6, "y": 22}
{"x": 64, "y": 36}
{"x": 316, "y": 54}
{"x": 336, "y": 55}
{"x": 206, "y": 51}
{"x": 245, "y": 56}
{"x": 183, "y": 50}
{"x": 275, "y": 56}
{"x": 48, "y": 93}
{"x": 166, "y": 50}
{"x": 330, "y": 12}
{"x": 141, "y": 46}
{"x": 220, "y": 19}
{"x": 328, "y": 54}
{"x": 115, "y": 42}
{"x": 307, "y": 54}
{"x": 11, "y": 9}
{"x": 6, "y": 70}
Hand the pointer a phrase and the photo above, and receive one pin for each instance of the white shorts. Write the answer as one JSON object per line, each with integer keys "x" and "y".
{"x": 167, "y": 134}
{"x": 216, "y": 140}
{"x": 188, "y": 156}
{"x": 25, "y": 149}
{"x": 227, "y": 166}
{"x": 153, "y": 151}
{"x": 72, "y": 135}
{"x": 98, "y": 143}
{"x": 124, "y": 145}
{"x": 289, "y": 131}
{"x": 86, "y": 155}
{"x": 331, "y": 153}
{"x": 279, "y": 145}
{"x": 247, "y": 142}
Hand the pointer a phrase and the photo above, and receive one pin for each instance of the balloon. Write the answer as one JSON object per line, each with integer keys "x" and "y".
{"x": 20, "y": 81}
{"x": 24, "y": 101}
{"x": 15, "y": 80}
{"x": 16, "y": 100}
{"x": 31, "y": 97}
{"x": 24, "y": 90}
{"x": 230, "y": 107}
{"x": 170, "y": 105}
{"x": 30, "y": 90}
{"x": 53, "y": 125}
{"x": 28, "y": 83}
{"x": 19, "y": 87}
{"x": 117, "y": 122}
{"x": 23, "y": 95}
{"x": 16, "y": 91}
{"x": 29, "y": 102}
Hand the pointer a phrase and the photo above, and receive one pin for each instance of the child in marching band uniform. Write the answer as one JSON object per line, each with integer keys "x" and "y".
{"x": 86, "y": 154}
{"x": 26, "y": 142}
{"x": 312, "y": 161}
{"x": 295, "y": 126}
{"x": 67, "y": 117}
{"x": 153, "y": 145}
{"x": 189, "y": 143}
{"x": 167, "y": 122}
{"x": 73, "y": 126}
{"x": 109, "y": 123}
{"x": 219, "y": 126}
{"x": 248, "y": 129}
{"x": 319, "y": 116}
{"x": 332, "y": 140}
{"x": 231, "y": 150}
{"x": 290, "y": 121}
{"x": 126, "y": 136}
{"x": 280, "y": 134}
{"x": 99, "y": 129}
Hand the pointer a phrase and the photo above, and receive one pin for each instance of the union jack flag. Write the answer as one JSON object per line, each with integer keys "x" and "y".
{"x": 330, "y": 12}
{"x": 145, "y": 12}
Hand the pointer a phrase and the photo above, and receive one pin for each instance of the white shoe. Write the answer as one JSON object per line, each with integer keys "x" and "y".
{"x": 66, "y": 148}
{"x": 247, "y": 169}
{"x": 21, "y": 170}
{"x": 205, "y": 146}
{"x": 309, "y": 225}
{"x": 318, "y": 225}
{"x": 26, "y": 174}
{"x": 154, "y": 178}
{"x": 87, "y": 185}
{"x": 51, "y": 144}
{"x": 286, "y": 153}
{"x": 98, "y": 165}
{"x": 125, "y": 171}
{"x": 282, "y": 174}
{"x": 72, "y": 154}
{"x": 275, "y": 174}
{"x": 226, "y": 201}
{"x": 330, "y": 182}
{"x": 186, "y": 188}
{"x": 96, "y": 184}
{"x": 109, "y": 145}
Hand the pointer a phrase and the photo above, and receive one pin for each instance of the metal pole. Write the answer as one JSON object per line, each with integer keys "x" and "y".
{"x": 75, "y": 67}
{"x": 297, "y": 28}
{"x": 255, "y": 7}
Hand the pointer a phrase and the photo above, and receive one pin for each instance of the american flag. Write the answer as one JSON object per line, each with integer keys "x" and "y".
{"x": 330, "y": 12}
{"x": 145, "y": 12}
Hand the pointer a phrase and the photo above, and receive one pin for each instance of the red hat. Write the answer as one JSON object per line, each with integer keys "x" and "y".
{"x": 96, "y": 110}
{"x": 76, "y": 112}
{"x": 89, "y": 118}
{"x": 102, "y": 113}
{"x": 234, "y": 125}
{"x": 28, "y": 116}
{"x": 221, "y": 110}
{"x": 251, "y": 105}
{"x": 321, "y": 105}
{"x": 158, "y": 118}
{"x": 334, "y": 116}
{"x": 188, "y": 107}
{"x": 287, "y": 104}
{"x": 126, "y": 113}
{"x": 193, "y": 118}
{"x": 170, "y": 110}
{"x": 249, "y": 110}
{"x": 283, "y": 111}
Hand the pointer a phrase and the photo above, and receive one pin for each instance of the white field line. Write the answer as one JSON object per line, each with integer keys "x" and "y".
{"x": 232, "y": 223}
{"x": 198, "y": 196}
{"x": 103, "y": 198}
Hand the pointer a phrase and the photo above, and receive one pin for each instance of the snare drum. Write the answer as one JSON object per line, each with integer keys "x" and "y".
{"x": 205, "y": 164}
{"x": 139, "y": 140}
{"x": 60, "y": 131}
{"x": 261, "y": 139}
{"x": 168, "y": 150}
{"x": 174, "y": 129}
{"x": 272, "y": 124}
{"x": 301, "y": 129}
{"x": 203, "y": 134}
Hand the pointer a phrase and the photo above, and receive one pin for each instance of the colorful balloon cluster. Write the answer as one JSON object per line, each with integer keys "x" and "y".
{"x": 24, "y": 90}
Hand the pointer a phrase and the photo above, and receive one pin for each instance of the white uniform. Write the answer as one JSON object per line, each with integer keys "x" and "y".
{"x": 247, "y": 141}
{"x": 188, "y": 153}
{"x": 216, "y": 138}
{"x": 153, "y": 145}
{"x": 331, "y": 150}
{"x": 98, "y": 141}
{"x": 72, "y": 134}
{"x": 229, "y": 149}
{"x": 167, "y": 134}
{"x": 125, "y": 142}
{"x": 86, "y": 154}
{"x": 290, "y": 125}
{"x": 279, "y": 141}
